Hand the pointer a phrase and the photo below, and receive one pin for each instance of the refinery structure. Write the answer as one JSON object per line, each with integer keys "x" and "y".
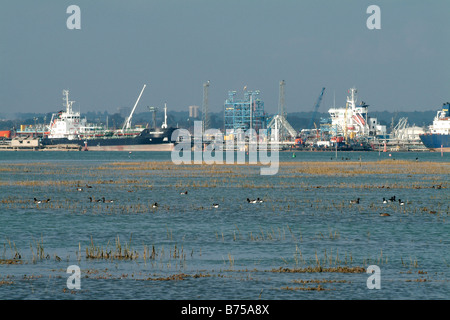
{"x": 350, "y": 127}
{"x": 244, "y": 114}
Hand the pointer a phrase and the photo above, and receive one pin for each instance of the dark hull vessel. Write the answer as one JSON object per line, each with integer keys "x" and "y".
{"x": 146, "y": 140}
{"x": 69, "y": 129}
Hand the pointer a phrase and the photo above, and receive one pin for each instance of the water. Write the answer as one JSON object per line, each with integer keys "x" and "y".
{"x": 231, "y": 252}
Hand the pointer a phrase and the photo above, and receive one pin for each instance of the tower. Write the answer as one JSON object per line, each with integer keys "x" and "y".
{"x": 205, "y": 106}
{"x": 279, "y": 125}
{"x": 281, "y": 99}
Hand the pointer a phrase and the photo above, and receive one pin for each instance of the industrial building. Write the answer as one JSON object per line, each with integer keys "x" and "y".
{"x": 244, "y": 114}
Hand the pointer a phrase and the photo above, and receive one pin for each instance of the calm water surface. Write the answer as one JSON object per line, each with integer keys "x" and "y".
{"x": 186, "y": 249}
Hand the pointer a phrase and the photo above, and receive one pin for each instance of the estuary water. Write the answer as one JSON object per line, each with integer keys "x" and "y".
{"x": 304, "y": 241}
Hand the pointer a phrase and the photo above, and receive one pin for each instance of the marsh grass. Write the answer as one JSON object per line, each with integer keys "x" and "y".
{"x": 119, "y": 252}
{"x": 15, "y": 258}
{"x": 38, "y": 253}
{"x": 318, "y": 288}
{"x": 320, "y": 269}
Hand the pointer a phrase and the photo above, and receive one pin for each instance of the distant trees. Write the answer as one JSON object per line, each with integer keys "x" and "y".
{"x": 116, "y": 121}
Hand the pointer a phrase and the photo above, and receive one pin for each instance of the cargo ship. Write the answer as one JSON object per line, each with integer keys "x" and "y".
{"x": 68, "y": 128}
{"x": 437, "y": 138}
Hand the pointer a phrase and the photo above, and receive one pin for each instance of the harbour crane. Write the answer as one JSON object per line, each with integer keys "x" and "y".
{"x": 316, "y": 107}
{"x": 127, "y": 124}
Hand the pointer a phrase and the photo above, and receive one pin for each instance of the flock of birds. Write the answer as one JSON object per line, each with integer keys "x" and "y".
{"x": 154, "y": 205}
{"x": 216, "y": 205}
{"x": 391, "y": 200}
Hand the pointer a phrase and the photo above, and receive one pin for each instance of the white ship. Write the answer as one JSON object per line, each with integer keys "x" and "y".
{"x": 353, "y": 120}
{"x": 67, "y": 127}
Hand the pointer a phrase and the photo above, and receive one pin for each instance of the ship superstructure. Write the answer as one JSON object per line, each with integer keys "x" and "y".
{"x": 353, "y": 120}
{"x": 69, "y": 124}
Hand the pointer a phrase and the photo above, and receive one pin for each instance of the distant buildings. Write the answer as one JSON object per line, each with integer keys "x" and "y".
{"x": 193, "y": 112}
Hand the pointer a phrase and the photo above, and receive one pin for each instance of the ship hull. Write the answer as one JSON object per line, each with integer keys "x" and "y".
{"x": 135, "y": 147}
{"x": 144, "y": 141}
{"x": 436, "y": 142}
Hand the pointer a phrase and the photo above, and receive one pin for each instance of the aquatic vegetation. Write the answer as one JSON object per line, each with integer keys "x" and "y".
{"x": 320, "y": 269}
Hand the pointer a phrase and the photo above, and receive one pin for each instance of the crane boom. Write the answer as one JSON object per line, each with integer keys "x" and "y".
{"x": 315, "y": 108}
{"x": 127, "y": 123}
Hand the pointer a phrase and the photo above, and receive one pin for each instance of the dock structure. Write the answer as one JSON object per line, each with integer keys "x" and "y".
{"x": 20, "y": 143}
{"x": 33, "y": 144}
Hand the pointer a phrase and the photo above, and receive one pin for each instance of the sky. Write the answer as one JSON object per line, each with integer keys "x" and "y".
{"x": 175, "y": 46}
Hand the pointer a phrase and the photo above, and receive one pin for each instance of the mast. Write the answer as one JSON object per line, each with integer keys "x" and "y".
{"x": 67, "y": 103}
{"x": 164, "y": 125}
{"x": 251, "y": 111}
{"x": 345, "y": 124}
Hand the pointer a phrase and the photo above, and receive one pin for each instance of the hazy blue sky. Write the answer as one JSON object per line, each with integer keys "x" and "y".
{"x": 174, "y": 46}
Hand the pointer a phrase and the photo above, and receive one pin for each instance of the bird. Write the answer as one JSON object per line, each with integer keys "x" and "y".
{"x": 215, "y": 205}
{"x": 354, "y": 201}
{"x": 41, "y": 201}
{"x": 184, "y": 192}
{"x": 392, "y": 199}
{"x": 400, "y": 202}
{"x": 384, "y": 200}
{"x": 251, "y": 201}
{"x": 107, "y": 201}
{"x": 259, "y": 200}
{"x": 385, "y": 214}
{"x": 79, "y": 189}
{"x": 155, "y": 205}
{"x": 87, "y": 186}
